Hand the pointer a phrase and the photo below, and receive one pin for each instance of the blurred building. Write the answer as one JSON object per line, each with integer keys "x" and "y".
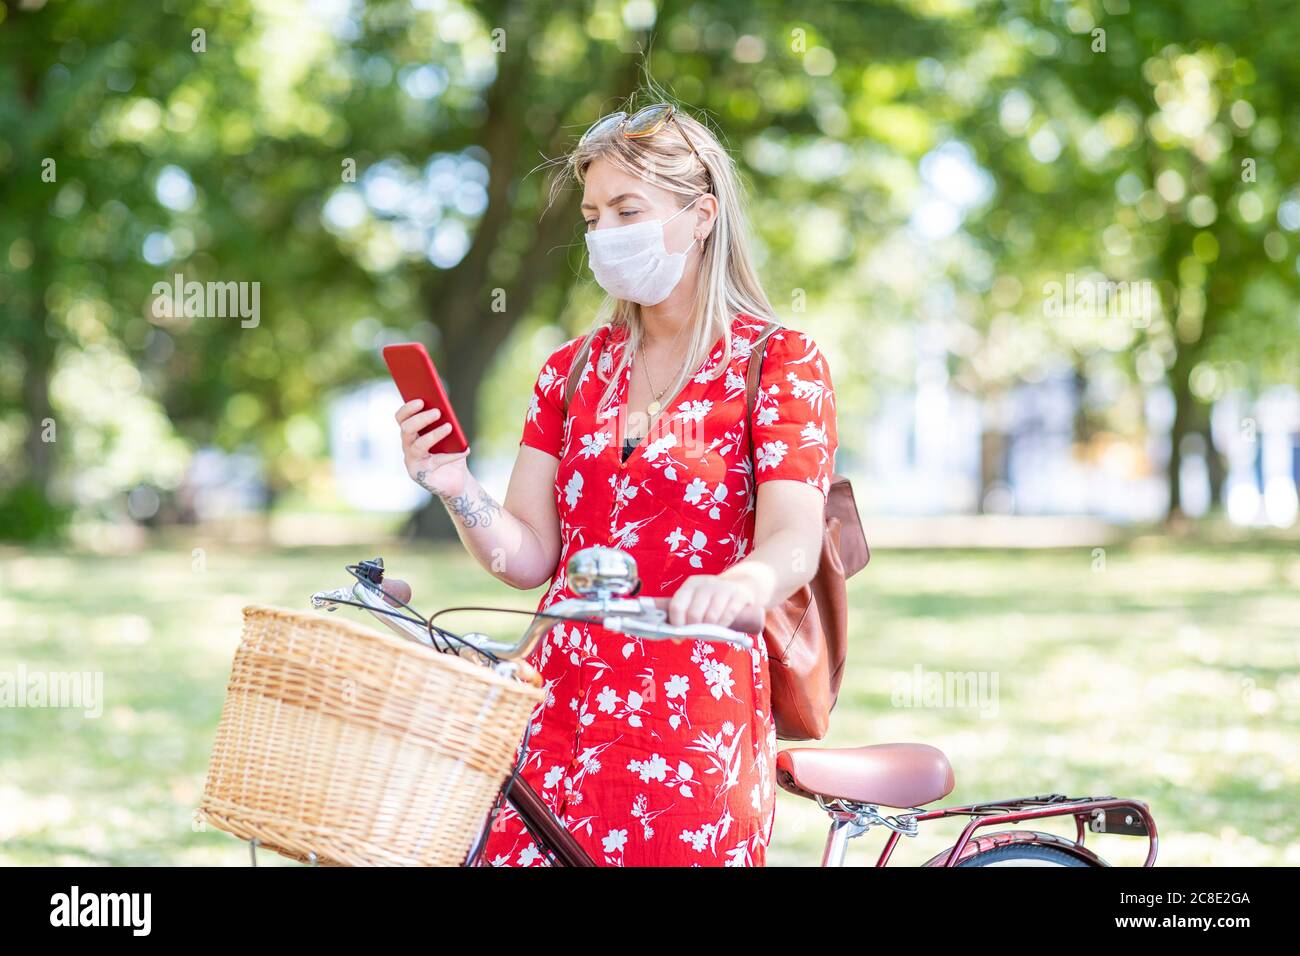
{"x": 217, "y": 484}
{"x": 935, "y": 449}
{"x": 1261, "y": 441}
{"x": 366, "y": 450}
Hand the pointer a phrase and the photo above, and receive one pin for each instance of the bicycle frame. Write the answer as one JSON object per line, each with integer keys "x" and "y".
{"x": 550, "y": 834}
{"x": 1099, "y": 814}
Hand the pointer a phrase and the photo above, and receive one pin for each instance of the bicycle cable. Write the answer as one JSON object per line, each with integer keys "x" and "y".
{"x": 448, "y": 636}
{"x": 419, "y": 622}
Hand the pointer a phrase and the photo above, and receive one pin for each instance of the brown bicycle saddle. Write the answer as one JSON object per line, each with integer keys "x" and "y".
{"x": 891, "y": 775}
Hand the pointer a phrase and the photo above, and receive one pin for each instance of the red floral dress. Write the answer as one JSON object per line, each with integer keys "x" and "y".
{"x": 656, "y": 753}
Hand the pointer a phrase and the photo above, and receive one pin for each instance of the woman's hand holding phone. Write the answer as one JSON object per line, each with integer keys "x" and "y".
{"x": 444, "y": 475}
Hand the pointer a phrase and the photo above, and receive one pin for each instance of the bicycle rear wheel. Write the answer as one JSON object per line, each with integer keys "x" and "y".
{"x": 1024, "y": 854}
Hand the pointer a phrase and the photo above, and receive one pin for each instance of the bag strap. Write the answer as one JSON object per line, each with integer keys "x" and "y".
{"x": 575, "y": 372}
{"x": 753, "y": 375}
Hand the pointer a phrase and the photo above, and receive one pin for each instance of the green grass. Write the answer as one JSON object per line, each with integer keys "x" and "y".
{"x": 1169, "y": 676}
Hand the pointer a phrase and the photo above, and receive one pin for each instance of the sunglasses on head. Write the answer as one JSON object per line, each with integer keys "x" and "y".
{"x": 642, "y": 123}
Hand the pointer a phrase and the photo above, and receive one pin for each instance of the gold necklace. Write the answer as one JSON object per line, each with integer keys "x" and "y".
{"x": 654, "y": 407}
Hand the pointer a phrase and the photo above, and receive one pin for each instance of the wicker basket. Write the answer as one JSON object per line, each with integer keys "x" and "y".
{"x": 361, "y": 748}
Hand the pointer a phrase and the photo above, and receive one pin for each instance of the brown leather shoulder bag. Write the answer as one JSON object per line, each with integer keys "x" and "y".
{"x": 807, "y": 635}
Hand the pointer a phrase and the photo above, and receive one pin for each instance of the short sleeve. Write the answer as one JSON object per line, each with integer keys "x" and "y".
{"x": 544, "y": 421}
{"x": 794, "y": 428}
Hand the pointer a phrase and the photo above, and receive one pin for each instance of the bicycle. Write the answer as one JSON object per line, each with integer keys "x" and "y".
{"x": 851, "y": 785}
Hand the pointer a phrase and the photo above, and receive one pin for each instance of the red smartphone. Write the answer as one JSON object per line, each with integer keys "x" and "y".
{"x": 413, "y": 371}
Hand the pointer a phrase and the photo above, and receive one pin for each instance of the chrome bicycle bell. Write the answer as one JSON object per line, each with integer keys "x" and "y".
{"x": 600, "y": 572}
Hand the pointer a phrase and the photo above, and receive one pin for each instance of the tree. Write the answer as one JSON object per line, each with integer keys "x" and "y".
{"x": 1161, "y": 130}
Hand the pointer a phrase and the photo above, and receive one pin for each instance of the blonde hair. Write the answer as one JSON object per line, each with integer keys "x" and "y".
{"x": 728, "y": 283}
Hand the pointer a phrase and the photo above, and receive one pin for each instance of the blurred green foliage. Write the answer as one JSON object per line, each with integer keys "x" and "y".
{"x": 375, "y": 168}
{"x": 26, "y": 514}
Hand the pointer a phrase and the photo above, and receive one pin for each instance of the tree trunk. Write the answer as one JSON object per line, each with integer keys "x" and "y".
{"x": 1215, "y": 467}
{"x": 35, "y": 342}
{"x": 1083, "y": 426}
{"x": 1191, "y": 416}
{"x": 462, "y": 303}
{"x": 1181, "y": 428}
{"x": 993, "y": 463}
{"x": 38, "y": 356}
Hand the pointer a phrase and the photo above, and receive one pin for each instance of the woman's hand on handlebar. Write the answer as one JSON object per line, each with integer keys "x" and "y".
{"x": 443, "y": 475}
{"x": 710, "y": 599}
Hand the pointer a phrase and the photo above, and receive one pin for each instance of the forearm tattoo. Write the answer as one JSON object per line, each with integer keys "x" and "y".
{"x": 472, "y": 511}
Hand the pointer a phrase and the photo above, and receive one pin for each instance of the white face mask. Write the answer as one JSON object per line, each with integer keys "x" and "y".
{"x": 631, "y": 262}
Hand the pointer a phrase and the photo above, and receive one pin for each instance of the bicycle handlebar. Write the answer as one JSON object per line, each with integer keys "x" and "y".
{"x": 642, "y": 617}
{"x": 749, "y": 620}
{"x": 602, "y": 575}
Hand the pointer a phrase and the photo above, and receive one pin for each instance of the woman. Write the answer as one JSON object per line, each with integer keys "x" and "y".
{"x": 652, "y": 752}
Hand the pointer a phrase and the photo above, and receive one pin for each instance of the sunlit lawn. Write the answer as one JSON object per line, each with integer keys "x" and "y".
{"x": 1169, "y": 675}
